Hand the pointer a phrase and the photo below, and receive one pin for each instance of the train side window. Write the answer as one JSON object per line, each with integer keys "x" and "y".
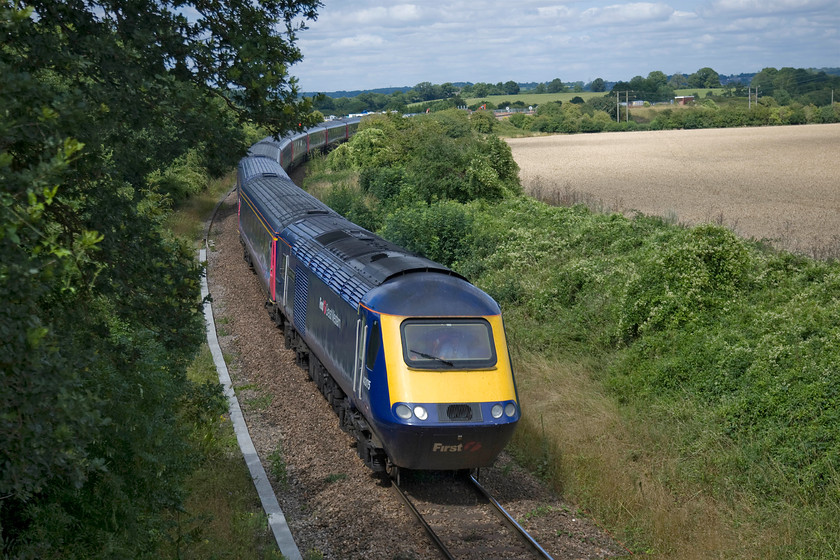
{"x": 374, "y": 342}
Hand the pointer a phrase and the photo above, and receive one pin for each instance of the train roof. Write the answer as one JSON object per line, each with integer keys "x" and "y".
{"x": 350, "y": 260}
{"x": 253, "y": 167}
{"x": 270, "y": 146}
{"x": 431, "y": 295}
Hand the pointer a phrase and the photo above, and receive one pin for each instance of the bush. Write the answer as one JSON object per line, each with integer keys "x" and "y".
{"x": 185, "y": 177}
{"x": 361, "y": 210}
{"x": 520, "y": 120}
{"x": 385, "y": 183}
{"x": 483, "y": 122}
{"x": 440, "y": 231}
{"x": 699, "y": 271}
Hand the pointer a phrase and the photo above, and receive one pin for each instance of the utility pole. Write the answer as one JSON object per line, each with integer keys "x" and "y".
{"x": 627, "y": 104}
{"x": 617, "y": 107}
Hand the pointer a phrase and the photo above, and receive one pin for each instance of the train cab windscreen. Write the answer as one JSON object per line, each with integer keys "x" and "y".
{"x": 448, "y": 344}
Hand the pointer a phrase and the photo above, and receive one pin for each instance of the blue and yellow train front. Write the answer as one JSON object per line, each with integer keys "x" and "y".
{"x": 451, "y": 399}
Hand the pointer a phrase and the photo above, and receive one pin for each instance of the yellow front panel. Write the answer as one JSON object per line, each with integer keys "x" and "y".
{"x": 450, "y": 385}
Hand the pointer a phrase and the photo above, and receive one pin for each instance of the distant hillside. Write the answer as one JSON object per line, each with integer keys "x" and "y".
{"x": 744, "y": 78}
{"x": 354, "y": 93}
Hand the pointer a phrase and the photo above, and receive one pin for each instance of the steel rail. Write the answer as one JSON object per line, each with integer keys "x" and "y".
{"x": 517, "y": 528}
{"x": 431, "y": 532}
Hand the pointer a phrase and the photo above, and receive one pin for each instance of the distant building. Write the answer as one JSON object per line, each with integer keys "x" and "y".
{"x": 683, "y": 99}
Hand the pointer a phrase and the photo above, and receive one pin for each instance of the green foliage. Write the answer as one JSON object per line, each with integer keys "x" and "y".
{"x": 483, "y": 122}
{"x": 185, "y": 177}
{"x": 520, "y": 120}
{"x": 385, "y": 183}
{"x": 368, "y": 148}
{"x": 363, "y": 211}
{"x": 725, "y": 349}
{"x": 794, "y": 82}
{"x": 111, "y": 113}
{"x": 437, "y": 231}
{"x": 746, "y": 337}
{"x": 429, "y": 158}
{"x": 277, "y": 465}
{"x": 699, "y": 271}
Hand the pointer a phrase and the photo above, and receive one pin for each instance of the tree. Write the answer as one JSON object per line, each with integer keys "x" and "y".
{"x": 598, "y": 84}
{"x": 483, "y": 121}
{"x": 101, "y": 305}
{"x": 657, "y": 79}
{"x": 678, "y": 81}
{"x": 426, "y": 91}
{"x": 511, "y": 88}
{"x": 555, "y": 86}
{"x": 448, "y": 90}
{"x": 704, "y": 78}
{"x": 481, "y": 89}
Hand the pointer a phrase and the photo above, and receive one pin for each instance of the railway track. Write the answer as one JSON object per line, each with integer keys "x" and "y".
{"x": 462, "y": 518}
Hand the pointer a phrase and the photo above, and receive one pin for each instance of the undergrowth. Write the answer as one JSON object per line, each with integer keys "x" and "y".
{"x": 222, "y": 516}
{"x": 679, "y": 383}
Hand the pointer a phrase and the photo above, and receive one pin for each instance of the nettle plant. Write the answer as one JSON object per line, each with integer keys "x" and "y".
{"x": 700, "y": 270}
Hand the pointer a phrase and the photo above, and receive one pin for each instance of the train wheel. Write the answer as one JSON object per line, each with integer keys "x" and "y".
{"x": 394, "y": 473}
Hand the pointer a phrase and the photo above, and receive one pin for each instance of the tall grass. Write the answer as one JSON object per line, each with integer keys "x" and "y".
{"x": 190, "y": 218}
{"x": 222, "y": 515}
{"x": 679, "y": 383}
{"x": 622, "y": 471}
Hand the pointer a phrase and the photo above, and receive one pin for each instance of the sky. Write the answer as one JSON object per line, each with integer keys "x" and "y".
{"x": 369, "y": 44}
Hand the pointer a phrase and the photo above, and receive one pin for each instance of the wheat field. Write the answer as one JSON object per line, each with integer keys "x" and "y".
{"x": 780, "y": 184}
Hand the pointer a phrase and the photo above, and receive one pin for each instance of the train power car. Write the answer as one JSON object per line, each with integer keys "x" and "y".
{"x": 411, "y": 356}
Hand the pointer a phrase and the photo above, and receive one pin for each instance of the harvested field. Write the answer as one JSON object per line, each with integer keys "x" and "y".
{"x": 781, "y": 184}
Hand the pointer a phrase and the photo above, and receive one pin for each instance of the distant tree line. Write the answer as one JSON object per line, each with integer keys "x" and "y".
{"x": 806, "y": 86}
{"x": 599, "y": 114}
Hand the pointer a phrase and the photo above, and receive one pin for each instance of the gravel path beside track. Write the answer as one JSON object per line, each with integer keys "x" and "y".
{"x": 332, "y": 502}
{"x": 777, "y": 183}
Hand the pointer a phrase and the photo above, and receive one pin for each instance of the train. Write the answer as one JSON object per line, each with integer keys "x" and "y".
{"x": 410, "y": 355}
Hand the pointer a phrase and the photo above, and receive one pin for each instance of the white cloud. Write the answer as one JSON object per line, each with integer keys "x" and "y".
{"x": 360, "y": 41}
{"x": 554, "y": 12}
{"x": 623, "y": 14}
{"x": 403, "y": 43}
{"x": 757, "y": 8}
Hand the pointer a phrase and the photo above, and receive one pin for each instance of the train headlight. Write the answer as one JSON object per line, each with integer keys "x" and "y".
{"x": 403, "y": 411}
{"x": 496, "y": 411}
{"x": 510, "y": 409}
{"x": 420, "y": 412}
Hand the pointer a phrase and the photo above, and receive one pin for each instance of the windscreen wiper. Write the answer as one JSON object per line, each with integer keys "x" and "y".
{"x": 430, "y": 357}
